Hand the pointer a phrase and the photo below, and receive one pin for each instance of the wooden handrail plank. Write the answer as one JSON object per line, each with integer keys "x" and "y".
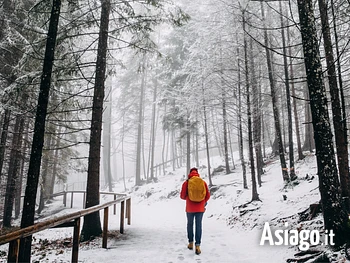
{"x": 52, "y": 222}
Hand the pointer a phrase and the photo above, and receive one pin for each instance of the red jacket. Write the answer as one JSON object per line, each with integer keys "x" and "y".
{"x": 192, "y": 207}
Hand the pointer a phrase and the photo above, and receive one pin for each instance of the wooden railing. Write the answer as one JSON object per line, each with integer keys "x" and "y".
{"x": 72, "y": 192}
{"x": 69, "y": 220}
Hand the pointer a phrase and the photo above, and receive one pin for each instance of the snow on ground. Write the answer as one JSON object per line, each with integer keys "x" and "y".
{"x": 157, "y": 233}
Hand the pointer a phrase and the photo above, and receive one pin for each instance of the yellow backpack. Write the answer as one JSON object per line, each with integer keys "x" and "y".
{"x": 196, "y": 189}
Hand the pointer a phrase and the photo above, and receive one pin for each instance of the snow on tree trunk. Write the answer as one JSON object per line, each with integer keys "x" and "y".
{"x": 335, "y": 218}
{"x": 340, "y": 140}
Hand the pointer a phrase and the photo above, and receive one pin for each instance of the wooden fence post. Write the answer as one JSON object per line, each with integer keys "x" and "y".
{"x": 128, "y": 210}
{"x": 84, "y": 200}
{"x": 122, "y": 208}
{"x": 115, "y": 205}
{"x": 65, "y": 199}
{"x": 13, "y": 251}
{"x": 76, "y": 239}
{"x": 105, "y": 228}
{"x": 71, "y": 200}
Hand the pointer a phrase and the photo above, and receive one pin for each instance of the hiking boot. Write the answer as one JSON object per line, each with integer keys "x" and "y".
{"x": 190, "y": 245}
{"x": 198, "y": 250}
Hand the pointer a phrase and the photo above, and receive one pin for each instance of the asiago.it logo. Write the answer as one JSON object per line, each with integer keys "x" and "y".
{"x": 303, "y": 238}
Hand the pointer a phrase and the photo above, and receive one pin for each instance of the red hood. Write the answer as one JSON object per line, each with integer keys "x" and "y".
{"x": 193, "y": 173}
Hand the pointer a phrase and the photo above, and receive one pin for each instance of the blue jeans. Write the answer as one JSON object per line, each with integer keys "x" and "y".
{"x": 190, "y": 218}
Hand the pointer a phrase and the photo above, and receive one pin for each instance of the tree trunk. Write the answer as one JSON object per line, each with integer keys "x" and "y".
{"x": 138, "y": 180}
{"x": 92, "y": 224}
{"x": 165, "y": 153}
{"x": 231, "y": 148}
{"x": 255, "y": 196}
{"x": 45, "y": 171}
{"x": 240, "y": 129}
{"x": 188, "y": 144}
{"x": 224, "y": 116}
{"x": 295, "y": 110}
{"x": 39, "y": 132}
{"x": 196, "y": 141}
{"x": 106, "y": 149}
{"x": 335, "y": 218}
{"x": 217, "y": 139}
{"x": 205, "y": 120}
{"x": 288, "y": 99}
{"x": 18, "y": 197}
{"x": 340, "y": 140}
{"x": 153, "y": 129}
{"x": 274, "y": 104}
{"x": 345, "y": 129}
{"x": 15, "y": 157}
{"x": 4, "y": 133}
{"x": 309, "y": 142}
{"x": 256, "y": 116}
{"x": 173, "y": 150}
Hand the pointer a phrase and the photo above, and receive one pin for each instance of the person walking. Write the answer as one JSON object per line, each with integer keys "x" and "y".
{"x": 196, "y": 193}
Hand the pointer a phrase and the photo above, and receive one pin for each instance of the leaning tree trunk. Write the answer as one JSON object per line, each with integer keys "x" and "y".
{"x": 340, "y": 139}
{"x": 39, "y": 132}
{"x": 92, "y": 224}
{"x": 335, "y": 218}
{"x": 274, "y": 104}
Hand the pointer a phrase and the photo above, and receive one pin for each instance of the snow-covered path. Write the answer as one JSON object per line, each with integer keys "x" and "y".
{"x": 158, "y": 234}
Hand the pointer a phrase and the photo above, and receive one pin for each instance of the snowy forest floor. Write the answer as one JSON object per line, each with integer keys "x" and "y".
{"x": 231, "y": 229}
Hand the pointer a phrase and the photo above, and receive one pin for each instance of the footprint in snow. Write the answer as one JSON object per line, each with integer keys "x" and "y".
{"x": 180, "y": 257}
